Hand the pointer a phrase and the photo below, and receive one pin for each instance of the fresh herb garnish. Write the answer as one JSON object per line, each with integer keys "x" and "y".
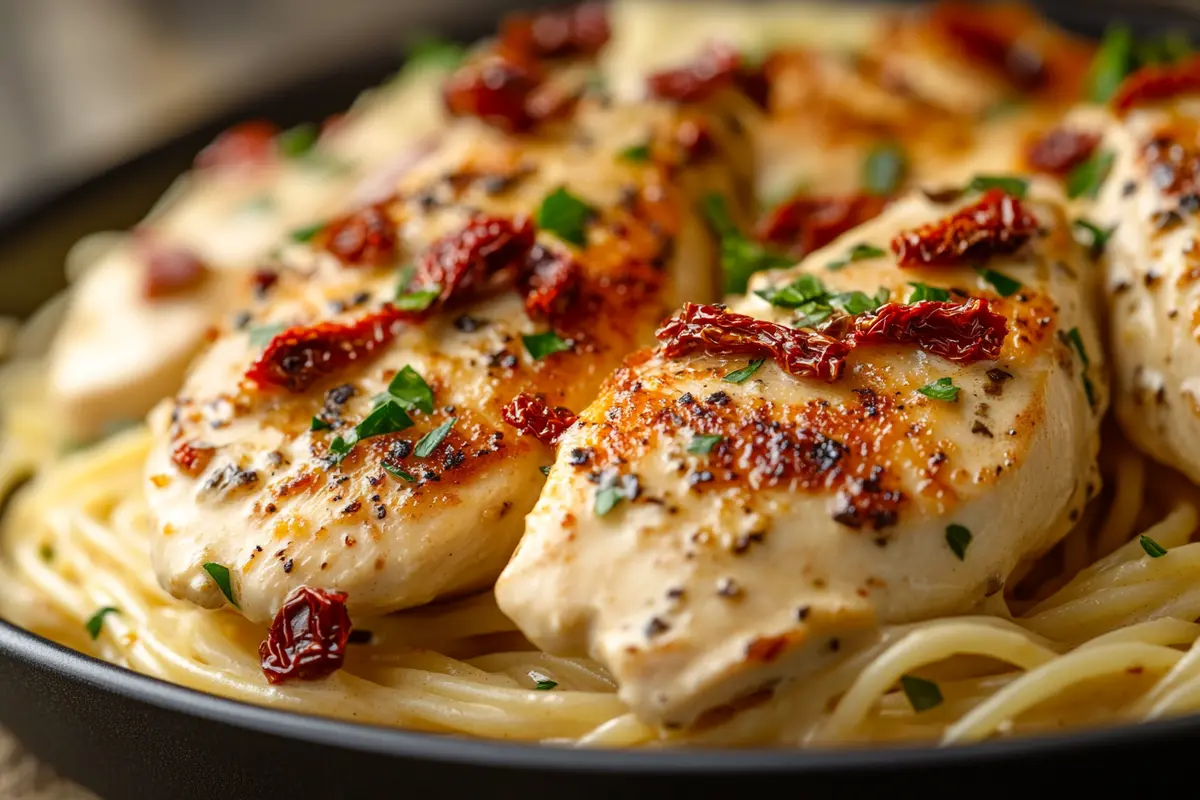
{"x": 884, "y": 169}
{"x": 794, "y": 294}
{"x": 387, "y": 417}
{"x": 318, "y": 424}
{"x": 410, "y": 390}
{"x": 306, "y": 233}
{"x": 1114, "y": 60}
{"x": 856, "y": 302}
{"x": 297, "y": 141}
{"x": 1097, "y": 236}
{"x": 433, "y": 52}
{"x": 220, "y": 575}
{"x": 606, "y": 499}
{"x": 923, "y": 291}
{"x": 812, "y": 314}
{"x": 1004, "y": 285}
{"x": 540, "y": 345}
{"x": 1152, "y": 548}
{"x": 544, "y": 470}
{"x": 565, "y": 215}
{"x": 922, "y": 694}
{"x": 637, "y": 153}
{"x": 1086, "y": 179}
{"x": 1172, "y": 47}
{"x": 396, "y": 472}
{"x": 96, "y": 621}
{"x": 261, "y": 335}
{"x": 816, "y": 304}
{"x": 959, "y": 538}
{"x": 418, "y": 300}
{"x": 1008, "y": 184}
{"x": 740, "y": 256}
{"x": 1076, "y": 340}
{"x": 702, "y": 443}
{"x": 941, "y": 389}
{"x": 430, "y": 441}
{"x": 740, "y": 375}
{"x": 545, "y": 686}
{"x": 859, "y": 252}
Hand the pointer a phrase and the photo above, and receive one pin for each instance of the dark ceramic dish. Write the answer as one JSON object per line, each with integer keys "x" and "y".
{"x": 125, "y": 735}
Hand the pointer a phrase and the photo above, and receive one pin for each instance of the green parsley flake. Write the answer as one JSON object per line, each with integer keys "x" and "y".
{"x": 702, "y": 443}
{"x": 922, "y": 694}
{"x": 941, "y": 389}
{"x": 1086, "y": 179}
{"x": 1152, "y": 548}
{"x": 566, "y": 216}
{"x": 261, "y": 335}
{"x": 816, "y": 304}
{"x": 297, "y": 141}
{"x": 740, "y": 257}
{"x": 1173, "y": 47}
{"x": 1095, "y": 237}
{"x": 959, "y": 539}
{"x": 220, "y": 575}
{"x": 860, "y": 252}
{"x": 387, "y": 417}
{"x": 96, "y": 621}
{"x": 812, "y": 314}
{"x": 1002, "y": 108}
{"x": 418, "y": 300}
{"x": 1008, "y": 184}
{"x": 430, "y": 441}
{"x": 740, "y": 376}
{"x": 884, "y": 169}
{"x": 306, "y": 233}
{"x": 433, "y": 52}
{"x": 1114, "y": 60}
{"x": 545, "y": 686}
{"x": 1004, "y": 285}
{"x": 396, "y": 472}
{"x": 318, "y": 424}
{"x": 544, "y": 470}
{"x": 923, "y": 291}
{"x": 540, "y": 345}
{"x": 1075, "y": 339}
{"x": 410, "y": 390}
{"x": 606, "y": 499}
{"x": 637, "y": 153}
{"x": 794, "y": 294}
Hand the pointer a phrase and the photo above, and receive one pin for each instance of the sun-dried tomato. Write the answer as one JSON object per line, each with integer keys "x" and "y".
{"x": 307, "y": 638}
{"x": 299, "y": 356}
{"x": 715, "y": 68}
{"x": 248, "y": 144}
{"x": 962, "y": 332}
{"x": 714, "y": 331}
{"x": 170, "y": 269}
{"x": 366, "y": 237}
{"x": 191, "y": 458}
{"x": 992, "y": 40}
{"x": 1157, "y": 82}
{"x": 549, "y": 281}
{"x": 530, "y": 414}
{"x": 578, "y": 31}
{"x": 460, "y": 262}
{"x": 806, "y": 223}
{"x": 1060, "y": 150}
{"x": 496, "y": 88}
{"x": 998, "y": 223}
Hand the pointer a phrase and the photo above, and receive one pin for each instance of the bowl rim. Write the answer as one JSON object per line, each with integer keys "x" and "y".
{"x": 98, "y": 675}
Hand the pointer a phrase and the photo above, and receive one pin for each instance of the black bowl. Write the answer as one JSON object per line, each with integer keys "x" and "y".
{"x": 126, "y": 735}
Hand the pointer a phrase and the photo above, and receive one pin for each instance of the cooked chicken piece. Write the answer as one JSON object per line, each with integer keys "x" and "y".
{"x": 246, "y": 470}
{"x": 121, "y": 349}
{"x": 713, "y": 524}
{"x": 1149, "y": 200}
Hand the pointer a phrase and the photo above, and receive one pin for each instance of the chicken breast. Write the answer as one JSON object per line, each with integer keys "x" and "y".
{"x": 714, "y": 524}
{"x": 365, "y": 449}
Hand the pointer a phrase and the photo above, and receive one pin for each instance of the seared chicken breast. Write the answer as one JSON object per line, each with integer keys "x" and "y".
{"x": 875, "y": 436}
{"x": 360, "y": 427}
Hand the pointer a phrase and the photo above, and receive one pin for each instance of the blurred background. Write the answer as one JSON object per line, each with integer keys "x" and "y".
{"x": 87, "y": 83}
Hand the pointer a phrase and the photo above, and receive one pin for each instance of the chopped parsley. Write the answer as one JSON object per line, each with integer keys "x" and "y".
{"x": 1008, "y": 184}
{"x": 812, "y": 314}
{"x": 816, "y": 304}
{"x": 430, "y": 441}
{"x": 1075, "y": 339}
{"x": 396, "y": 472}
{"x": 545, "y": 686}
{"x": 959, "y": 539}
{"x": 922, "y": 694}
{"x": 859, "y": 252}
{"x": 261, "y": 335}
{"x": 637, "y": 153}
{"x": 884, "y": 169}
{"x": 296, "y": 142}
{"x": 612, "y": 490}
{"x": 941, "y": 389}
{"x": 794, "y": 294}
{"x": 565, "y": 215}
{"x": 741, "y": 257}
{"x": 96, "y": 621}
{"x": 418, "y": 300}
{"x": 856, "y": 302}
{"x": 540, "y": 345}
{"x": 220, "y": 575}
{"x": 387, "y": 417}
{"x": 433, "y": 52}
{"x": 1114, "y": 60}
{"x": 1086, "y": 179}
{"x": 306, "y": 233}
{"x": 1097, "y": 237}
{"x": 1172, "y": 47}
{"x": 702, "y": 443}
{"x": 1004, "y": 285}
{"x": 544, "y": 470}
{"x": 1152, "y": 548}
{"x": 923, "y": 291}
{"x": 740, "y": 375}
{"x": 606, "y": 499}
{"x": 410, "y": 390}
{"x": 318, "y": 424}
